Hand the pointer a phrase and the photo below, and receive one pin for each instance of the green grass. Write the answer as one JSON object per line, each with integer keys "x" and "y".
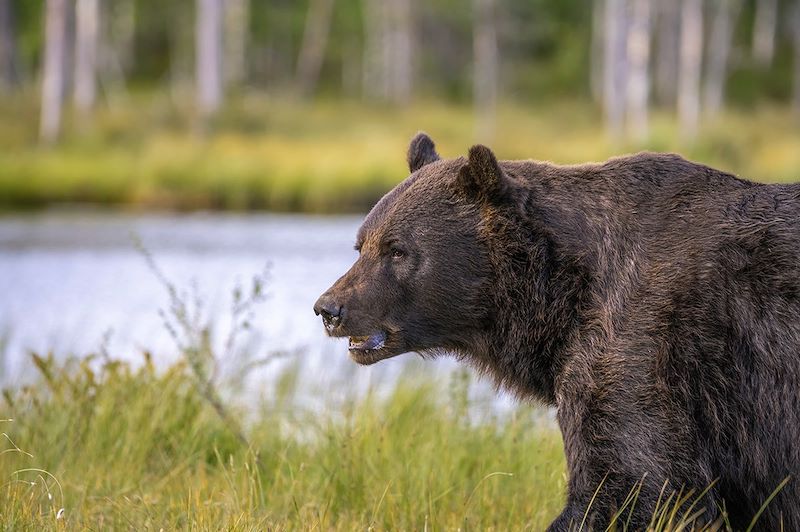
{"x": 143, "y": 151}
{"x": 118, "y": 447}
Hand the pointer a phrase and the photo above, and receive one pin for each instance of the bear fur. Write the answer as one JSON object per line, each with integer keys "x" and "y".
{"x": 654, "y": 302}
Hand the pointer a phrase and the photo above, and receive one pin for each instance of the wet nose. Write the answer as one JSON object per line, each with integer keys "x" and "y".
{"x": 330, "y": 311}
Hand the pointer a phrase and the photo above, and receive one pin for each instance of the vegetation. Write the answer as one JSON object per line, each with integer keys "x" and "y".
{"x": 118, "y": 447}
{"x": 332, "y": 156}
{"x": 308, "y": 105}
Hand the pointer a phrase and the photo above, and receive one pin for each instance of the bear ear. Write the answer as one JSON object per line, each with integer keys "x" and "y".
{"x": 421, "y": 151}
{"x": 482, "y": 178}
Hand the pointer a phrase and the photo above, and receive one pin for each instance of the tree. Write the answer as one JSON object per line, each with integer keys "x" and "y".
{"x": 375, "y": 37}
{"x": 53, "y": 73}
{"x": 615, "y": 66}
{"x": 766, "y": 19}
{"x": 485, "y": 69}
{"x": 87, "y": 22}
{"x": 667, "y": 51}
{"x": 691, "y": 57}
{"x": 401, "y": 53}
{"x": 237, "y": 19}
{"x": 596, "y": 66}
{"x": 388, "y": 50}
{"x": 315, "y": 40}
{"x": 208, "y": 56}
{"x": 719, "y": 46}
{"x": 638, "y": 58}
{"x": 795, "y": 29}
{"x": 8, "y": 46}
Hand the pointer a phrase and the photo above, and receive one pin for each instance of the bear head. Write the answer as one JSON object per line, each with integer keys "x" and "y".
{"x": 423, "y": 280}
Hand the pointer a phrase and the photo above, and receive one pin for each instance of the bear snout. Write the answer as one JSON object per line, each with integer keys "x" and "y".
{"x": 330, "y": 310}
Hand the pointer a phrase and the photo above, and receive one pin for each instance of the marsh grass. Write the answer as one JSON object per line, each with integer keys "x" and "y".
{"x": 133, "y": 447}
{"x": 268, "y": 153}
{"x": 103, "y": 444}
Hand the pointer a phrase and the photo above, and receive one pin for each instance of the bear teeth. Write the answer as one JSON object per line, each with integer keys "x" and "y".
{"x": 368, "y": 343}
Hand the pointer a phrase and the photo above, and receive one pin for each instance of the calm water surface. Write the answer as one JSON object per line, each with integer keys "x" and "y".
{"x": 71, "y": 282}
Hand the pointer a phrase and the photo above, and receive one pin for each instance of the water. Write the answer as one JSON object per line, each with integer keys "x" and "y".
{"x": 74, "y": 282}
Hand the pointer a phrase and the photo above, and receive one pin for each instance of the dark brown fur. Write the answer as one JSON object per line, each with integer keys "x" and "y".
{"x": 653, "y": 301}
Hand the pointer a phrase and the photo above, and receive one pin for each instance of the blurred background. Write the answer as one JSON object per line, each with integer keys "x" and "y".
{"x": 230, "y": 136}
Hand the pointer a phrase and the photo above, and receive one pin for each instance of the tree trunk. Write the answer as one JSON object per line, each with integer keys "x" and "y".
{"x": 615, "y": 59}
{"x": 403, "y": 45}
{"x": 596, "y": 51}
{"x": 315, "y": 41}
{"x": 237, "y": 20}
{"x": 638, "y": 52}
{"x": 87, "y": 16}
{"x": 53, "y": 69}
{"x": 667, "y": 46}
{"x": 719, "y": 47}
{"x": 691, "y": 57}
{"x": 375, "y": 60}
{"x": 121, "y": 26}
{"x": 208, "y": 53}
{"x": 485, "y": 69}
{"x": 388, "y": 50}
{"x": 766, "y": 19}
{"x": 8, "y": 47}
{"x": 796, "y": 38}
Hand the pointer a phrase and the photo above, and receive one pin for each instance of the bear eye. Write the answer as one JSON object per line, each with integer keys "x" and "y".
{"x": 397, "y": 253}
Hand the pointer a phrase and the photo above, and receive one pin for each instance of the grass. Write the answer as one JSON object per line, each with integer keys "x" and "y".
{"x": 143, "y": 151}
{"x": 118, "y": 447}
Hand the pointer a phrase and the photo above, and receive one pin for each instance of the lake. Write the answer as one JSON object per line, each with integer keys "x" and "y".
{"x": 74, "y": 283}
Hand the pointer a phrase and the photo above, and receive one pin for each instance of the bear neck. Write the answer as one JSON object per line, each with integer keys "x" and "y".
{"x": 544, "y": 264}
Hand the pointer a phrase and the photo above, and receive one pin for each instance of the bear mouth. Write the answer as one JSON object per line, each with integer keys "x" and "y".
{"x": 369, "y": 349}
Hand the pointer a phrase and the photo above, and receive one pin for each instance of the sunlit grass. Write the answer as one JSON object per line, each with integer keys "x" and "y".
{"x": 118, "y": 447}
{"x": 330, "y": 156}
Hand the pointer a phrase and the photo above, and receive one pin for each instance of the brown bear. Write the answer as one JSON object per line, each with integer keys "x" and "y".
{"x": 654, "y": 302}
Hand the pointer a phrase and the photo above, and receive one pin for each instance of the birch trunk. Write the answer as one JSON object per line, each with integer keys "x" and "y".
{"x": 719, "y": 47}
{"x": 237, "y": 19}
{"x": 388, "y": 50}
{"x": 315, "y": 40}
{"x": 375, "y": 80}
{"x": 766, "y": 19}
{"x": 796, "y": 39}
{"x": 615, "y": 59}
{"x": 53, "y": 69}
{"x": 400, "y": 51}
{"x": 638, "y": 58}
{"x": 667, "y": 51}
{"x": 87, "y": 16}
{"x": 120, "y": 32}
{"x": 485, "y": 73}
{"x": 8, "y": 46}
{"x": 596, "y": 51}
{"x": 691, "y": 57}
{"x": 208, "y": 54}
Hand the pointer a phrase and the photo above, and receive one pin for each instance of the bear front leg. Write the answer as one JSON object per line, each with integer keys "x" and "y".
{"x": 569, "y": 519}
{"x": 593, "y": 509}
{"x": 606, "y": 461}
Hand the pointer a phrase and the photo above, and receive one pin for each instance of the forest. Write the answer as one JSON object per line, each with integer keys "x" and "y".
{"x": 114, "y": 81}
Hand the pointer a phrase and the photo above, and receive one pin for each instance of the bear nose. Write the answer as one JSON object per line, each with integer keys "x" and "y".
{"x": 330, "y": 311}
